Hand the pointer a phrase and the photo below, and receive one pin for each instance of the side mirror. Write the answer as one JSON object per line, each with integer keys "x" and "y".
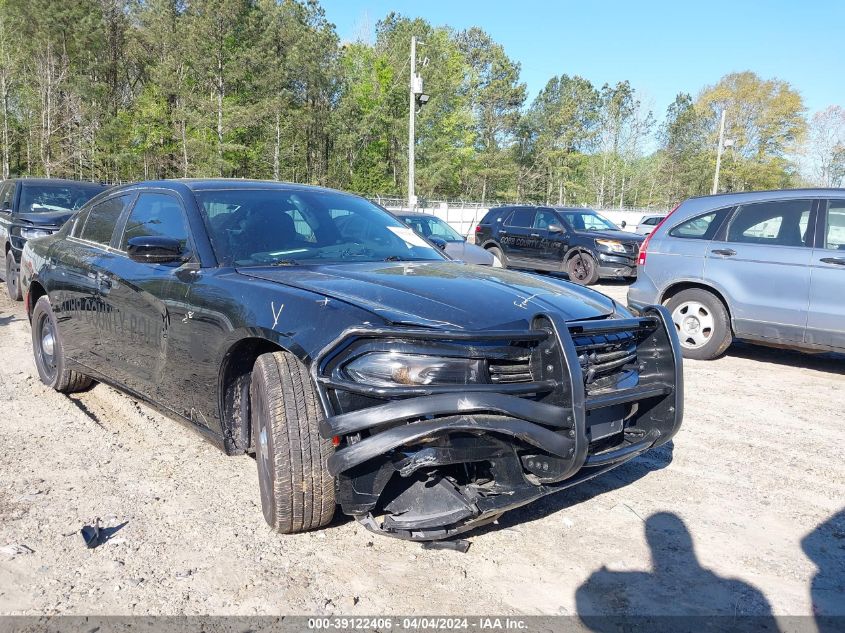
{"x": 555, "y": 228}
{"x": 155, "y": 250}
{"x": 623, "y": 224}
{"x": 439, "y": 242}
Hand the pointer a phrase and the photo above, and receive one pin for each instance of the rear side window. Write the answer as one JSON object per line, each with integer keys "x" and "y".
{"x": 781, "y": 223}
{"x": 7, "y": 194}
{"x": 99, "y": 225}
{"x": 521, "y": 218}
{"x": 834, "y": 235}
{"x": 490, "y": 216}
{"x": 701, "y": 227}
{"x": 156, "y": 215}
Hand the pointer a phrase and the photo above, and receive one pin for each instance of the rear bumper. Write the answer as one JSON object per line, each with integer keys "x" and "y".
{"x": 431, "y": 462}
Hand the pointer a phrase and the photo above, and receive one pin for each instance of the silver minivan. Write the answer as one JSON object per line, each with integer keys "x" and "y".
{"x": 763, "y": 266}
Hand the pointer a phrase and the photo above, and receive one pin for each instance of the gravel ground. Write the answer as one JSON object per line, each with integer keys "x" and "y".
{"x": 743, "y": 514}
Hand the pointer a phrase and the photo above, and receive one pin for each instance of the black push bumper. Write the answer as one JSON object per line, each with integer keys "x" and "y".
{"x": 429, "y": 462}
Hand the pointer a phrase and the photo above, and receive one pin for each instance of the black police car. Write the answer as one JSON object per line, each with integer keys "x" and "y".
{"x": 35, "y": 207}
{"x": 360, "y": 366}
{"x": 576, "y": 241}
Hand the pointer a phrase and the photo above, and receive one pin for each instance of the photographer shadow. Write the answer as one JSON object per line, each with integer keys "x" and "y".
{"x": 677, "y": 592}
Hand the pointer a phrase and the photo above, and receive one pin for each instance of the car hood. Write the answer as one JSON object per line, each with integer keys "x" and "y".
{"x": 612, "y": 235}
{"x": 443, "y": 294}
{"x": 469, "y": 253}
{"x": 45, "y": 218}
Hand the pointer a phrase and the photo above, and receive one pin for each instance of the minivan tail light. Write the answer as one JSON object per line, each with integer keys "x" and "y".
{"x": 644, "y": 246}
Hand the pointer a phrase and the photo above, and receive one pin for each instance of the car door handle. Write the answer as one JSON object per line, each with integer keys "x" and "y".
{"x": 726, "y": 252}
{"x": 838, "y": 261}
{"x": 535, "y": 235}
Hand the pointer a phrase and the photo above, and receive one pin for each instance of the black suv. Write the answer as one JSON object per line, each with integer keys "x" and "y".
{"x": 575, "y": 241}
{"x": 360, "y": 365}
{"x": 35, "y": 207}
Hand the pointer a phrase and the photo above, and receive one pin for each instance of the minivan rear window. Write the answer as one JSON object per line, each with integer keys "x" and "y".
{"x": 701, "y": 227}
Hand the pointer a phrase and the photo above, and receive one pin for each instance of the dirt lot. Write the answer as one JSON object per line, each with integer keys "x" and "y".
{"x": 743, "y": 515}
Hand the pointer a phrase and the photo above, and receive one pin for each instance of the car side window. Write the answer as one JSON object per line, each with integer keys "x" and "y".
{"x": 701, "y": 227}
{"x": 834, "y": 234}
{"x": 101, "y": 220}
{"x": 780, "y": 223}
{"x": 156, "y": 215}
{"x": 7, "y": 193}
{"x": 543, "y": 219}
{"x": 521, "y": 218}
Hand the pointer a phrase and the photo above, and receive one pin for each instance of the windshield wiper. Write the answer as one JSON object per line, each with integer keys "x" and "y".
{"x": 285, "y": 262}
{"x": 395, "y": 258}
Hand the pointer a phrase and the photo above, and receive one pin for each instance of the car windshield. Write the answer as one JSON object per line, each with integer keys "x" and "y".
{"x": 261, "y": 227}
{"x": 588, "y": 221}
{"x": 65, "y": 197}
{"x": 432, "y": 226}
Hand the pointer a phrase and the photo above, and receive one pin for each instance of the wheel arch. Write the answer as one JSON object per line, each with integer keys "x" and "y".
{"x": 233, "y": 387}
{"x": 35, "y": 292}
{"x": 680, "y": 286}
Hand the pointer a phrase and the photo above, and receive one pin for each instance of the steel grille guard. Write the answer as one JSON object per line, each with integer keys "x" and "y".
{"x": 554, "y": 424}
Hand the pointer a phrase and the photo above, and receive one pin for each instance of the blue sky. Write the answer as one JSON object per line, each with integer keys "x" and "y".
{"x": 662, "y": 47}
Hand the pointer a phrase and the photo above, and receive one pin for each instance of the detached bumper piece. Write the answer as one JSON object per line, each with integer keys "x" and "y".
{"x": 554, "y": 405}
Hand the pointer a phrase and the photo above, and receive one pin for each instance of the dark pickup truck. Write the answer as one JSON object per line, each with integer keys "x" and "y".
{"x": 355, "y": 361}
{"x": 569, "y": 240}
{"x": 35, "y": 207}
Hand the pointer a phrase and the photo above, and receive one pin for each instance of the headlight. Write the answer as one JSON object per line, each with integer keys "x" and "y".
{"x": 611, "y": 245}
{"x": 31, "y": 234}
{"x": 391, "y": 369}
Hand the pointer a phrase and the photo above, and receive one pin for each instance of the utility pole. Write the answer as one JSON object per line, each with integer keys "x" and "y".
{"x": 412, "y": 198}
{"x": 719, "y": 153}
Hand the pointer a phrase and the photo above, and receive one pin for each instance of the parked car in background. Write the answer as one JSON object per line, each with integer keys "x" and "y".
{"x": 35, "y": 207}
{"x": 444, "y": 236}
{"x": 648, "y": 222}
{"x": 764, "y": 266}
{"x": 360, "y": 366}
{"x": 576, "y": 241}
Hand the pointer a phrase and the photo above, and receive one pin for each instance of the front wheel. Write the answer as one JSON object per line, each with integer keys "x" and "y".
{"x": 702, "y": 323}
{"x": 297, "y": 492}
{"x": 13, "y": 278}
{"x": 48, "y": 348}
{"x": 583, "y": 269}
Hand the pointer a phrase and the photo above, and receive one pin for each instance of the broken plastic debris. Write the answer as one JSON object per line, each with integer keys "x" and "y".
{"x": 16, "y": 549}
{"x": 458, "y": 545}
{"x": 96, "y": 534}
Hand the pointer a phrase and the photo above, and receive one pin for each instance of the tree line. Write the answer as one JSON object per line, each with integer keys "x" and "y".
{"x": 121, "y": 90}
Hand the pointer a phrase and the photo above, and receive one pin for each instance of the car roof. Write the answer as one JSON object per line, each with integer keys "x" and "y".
{"x": 772, "y": 194}
{"x": 56, "y": 181}
{"x": 224, "y": 184}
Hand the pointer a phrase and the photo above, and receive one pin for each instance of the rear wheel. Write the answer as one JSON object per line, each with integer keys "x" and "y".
{"x": 13, "y": 278}
{"x": 498, "y": 256}
{"x": 49, "y": 352}
{"x": 297, "y": 492}
{"x": 702, "y": 323}
{"x": 582, "y": 269}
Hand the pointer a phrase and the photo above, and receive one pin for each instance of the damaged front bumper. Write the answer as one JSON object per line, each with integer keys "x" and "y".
{"x": 562, "y": 403}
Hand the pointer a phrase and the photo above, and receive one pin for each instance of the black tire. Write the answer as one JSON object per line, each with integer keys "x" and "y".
{"x": 583, "y": 269}
{"x": 297, "y": 492}
{"x": 13, "y": 277}
{"x": 495, "y": 251}
{"x": 52, "y": 367}
{"x": 710, "y": 333}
